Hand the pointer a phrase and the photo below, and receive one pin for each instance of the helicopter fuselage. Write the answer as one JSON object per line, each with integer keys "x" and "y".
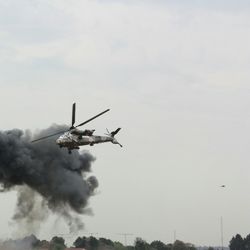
{"x": 73, "y": 141}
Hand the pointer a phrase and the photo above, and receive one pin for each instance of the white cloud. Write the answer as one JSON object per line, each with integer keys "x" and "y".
{"x": 176, "y": 77}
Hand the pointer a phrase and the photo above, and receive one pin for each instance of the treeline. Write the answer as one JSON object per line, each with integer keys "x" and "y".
{"x": 90, "y": 243}
{"x": 239, "y": 243}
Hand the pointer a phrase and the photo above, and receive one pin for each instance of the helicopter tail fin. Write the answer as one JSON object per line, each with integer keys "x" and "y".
{"x": 115, "y": 132}
{"x": 112, "y": 134}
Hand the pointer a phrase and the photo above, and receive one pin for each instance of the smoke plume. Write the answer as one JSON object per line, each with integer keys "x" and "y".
{"x": 46, "y": 177}
{"x": 27, "y": 243}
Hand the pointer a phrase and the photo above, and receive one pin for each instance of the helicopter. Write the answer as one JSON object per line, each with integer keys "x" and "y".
{"x": 73, "y": 138}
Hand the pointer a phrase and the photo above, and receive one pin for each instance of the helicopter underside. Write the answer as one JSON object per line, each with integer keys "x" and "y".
{"x": 73, "y": 142}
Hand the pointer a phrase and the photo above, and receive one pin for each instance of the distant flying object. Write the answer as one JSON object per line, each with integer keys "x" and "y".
{"x": 73, "y": 137}
{"x": 222, "y": 186}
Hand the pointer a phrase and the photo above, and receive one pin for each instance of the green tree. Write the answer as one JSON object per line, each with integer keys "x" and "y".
{"x": 237, "y": 243}
{"x": 42, "y": 244}
{"x": 119, "y": 246}
{"x": 57, "y": 243}
{"x": 130, "y": 248}
{"x": 247, "y": 242}
{"x": 179, "y": 245}
{"x": 158, "y": 245}
{"x": 190, "y": 246}
{"x": 93, "y": 243}
{"x": 80, "y": 242}
{"x": 141, "y": 244}
{"x": 106, "y": 242}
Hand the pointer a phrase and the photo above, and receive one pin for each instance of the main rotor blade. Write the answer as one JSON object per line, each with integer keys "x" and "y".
{"x": 92, "y": 118}
{"x": 45, "y": 137}
{"x": 73, "y": 114}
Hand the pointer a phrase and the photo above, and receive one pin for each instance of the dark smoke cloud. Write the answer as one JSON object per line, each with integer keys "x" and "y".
{"x": 46, "y": 177}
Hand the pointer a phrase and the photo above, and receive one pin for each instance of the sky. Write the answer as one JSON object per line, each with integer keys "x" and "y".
{"x": 175, "y": 75}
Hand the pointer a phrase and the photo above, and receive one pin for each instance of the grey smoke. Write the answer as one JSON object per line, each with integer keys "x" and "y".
{"x": 31, "y": 210}
{"x": 26, "y": 243}
{"x": 47, "y": 178}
